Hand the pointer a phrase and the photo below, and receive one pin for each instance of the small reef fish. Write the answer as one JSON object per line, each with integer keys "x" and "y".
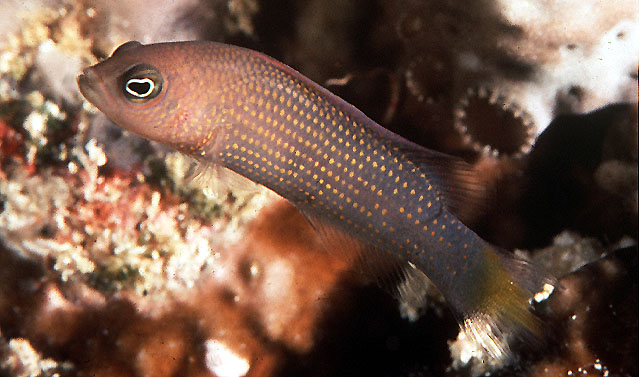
{"x": 397, "y": 206}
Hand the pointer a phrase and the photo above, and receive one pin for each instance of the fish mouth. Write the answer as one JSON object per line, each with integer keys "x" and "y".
{"x": 90, "y": 86}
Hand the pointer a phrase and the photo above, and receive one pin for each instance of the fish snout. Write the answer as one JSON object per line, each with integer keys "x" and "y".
{"x": 87, "y": 78}
{"x": 90, "y": 85}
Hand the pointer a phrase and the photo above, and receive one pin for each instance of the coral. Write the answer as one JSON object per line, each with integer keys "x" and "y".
{"x": 121, "y": 21}
{"x": 568, "y": 252}
{"x": 520, "y": 51}
{"x": 21, "y": 360}
{"x": 564, "y": 168}
{"x": 512, "y": 131}
{"x": 251, "y": 299}
{"x": 596, "y": 314}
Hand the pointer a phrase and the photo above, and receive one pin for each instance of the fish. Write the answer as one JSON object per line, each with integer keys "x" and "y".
{"x": 398, "y": 208}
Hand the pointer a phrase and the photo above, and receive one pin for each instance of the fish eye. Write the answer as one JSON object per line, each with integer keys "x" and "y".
{"x": 141, "y": 83}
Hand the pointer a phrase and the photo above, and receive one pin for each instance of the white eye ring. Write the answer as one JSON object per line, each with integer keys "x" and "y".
{"x": 146, "y": 81}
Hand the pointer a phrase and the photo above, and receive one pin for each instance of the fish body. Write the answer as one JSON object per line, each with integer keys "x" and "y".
{"x": 391, "y": 202}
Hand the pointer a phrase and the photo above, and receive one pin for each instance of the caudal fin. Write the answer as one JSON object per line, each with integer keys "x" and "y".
{"x": 502, "y": 315}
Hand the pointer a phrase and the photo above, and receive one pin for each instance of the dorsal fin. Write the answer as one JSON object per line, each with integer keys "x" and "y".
{"x": 462, "y": 189}
{"x": 392, "y": 273}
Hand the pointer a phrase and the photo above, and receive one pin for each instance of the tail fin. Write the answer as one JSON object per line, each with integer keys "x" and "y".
{"x": 501, "y": 313}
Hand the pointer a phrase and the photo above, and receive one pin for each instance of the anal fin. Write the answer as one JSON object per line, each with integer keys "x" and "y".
{"x": 392, "y": 273}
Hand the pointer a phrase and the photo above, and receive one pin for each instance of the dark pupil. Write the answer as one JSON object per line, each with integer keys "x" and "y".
{"x": 141, "y": 88}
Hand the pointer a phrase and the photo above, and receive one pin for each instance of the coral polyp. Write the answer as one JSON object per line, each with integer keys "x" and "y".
{"x": 491, "y": 123}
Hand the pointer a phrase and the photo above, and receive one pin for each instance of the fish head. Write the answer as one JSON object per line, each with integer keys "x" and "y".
{"x": 164, "y": 92}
